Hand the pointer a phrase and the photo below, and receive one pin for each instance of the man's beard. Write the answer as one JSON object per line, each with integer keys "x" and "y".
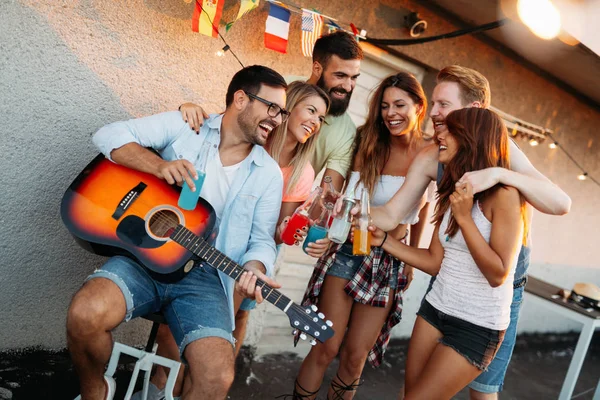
{"x": 338, "y": 106}
{"x": 249, "y": 128}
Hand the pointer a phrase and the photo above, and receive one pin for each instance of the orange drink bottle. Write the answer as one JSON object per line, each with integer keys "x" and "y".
{"x": 362, "y": 236}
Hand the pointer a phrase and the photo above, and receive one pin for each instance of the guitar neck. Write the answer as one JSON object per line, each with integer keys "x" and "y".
{"x": 220, "y": 261}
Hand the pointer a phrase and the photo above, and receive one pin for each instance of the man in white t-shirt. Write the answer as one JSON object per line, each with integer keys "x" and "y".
{"x": 244, "y": 185}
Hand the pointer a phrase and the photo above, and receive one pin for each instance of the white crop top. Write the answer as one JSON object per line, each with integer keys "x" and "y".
{"x": 386, "y": 187}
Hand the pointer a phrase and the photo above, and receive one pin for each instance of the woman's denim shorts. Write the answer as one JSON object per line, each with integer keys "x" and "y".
{"x": 475, "y": 343}
{"x": 346, "y": 265}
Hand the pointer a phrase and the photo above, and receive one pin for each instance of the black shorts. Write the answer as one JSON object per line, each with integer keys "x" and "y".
{"x": 475, "y": 343}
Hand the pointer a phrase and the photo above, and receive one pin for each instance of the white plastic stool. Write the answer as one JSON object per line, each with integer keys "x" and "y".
{"x": 144, "y": 363}
{"x": 146, "y": 358}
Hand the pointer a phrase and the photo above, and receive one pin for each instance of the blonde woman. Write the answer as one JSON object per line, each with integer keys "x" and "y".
{"x": 292, "y": 144}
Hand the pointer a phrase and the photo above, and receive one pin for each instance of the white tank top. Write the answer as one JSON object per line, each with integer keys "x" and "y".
{"x": 461, "y": 290}
{"x": 386, "y": 187}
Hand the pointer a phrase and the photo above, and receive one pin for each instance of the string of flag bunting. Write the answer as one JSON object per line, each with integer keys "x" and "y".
{"x": 207, "y": 17}
{"x": 203, "y": 21}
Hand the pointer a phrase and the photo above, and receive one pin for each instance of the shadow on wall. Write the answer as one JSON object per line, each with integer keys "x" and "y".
{"x": 50, "y": 105}
{"x": 177, "y": 9}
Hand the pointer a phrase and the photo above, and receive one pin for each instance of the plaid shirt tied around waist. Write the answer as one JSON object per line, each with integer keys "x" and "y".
{"x": 370, "y": 286}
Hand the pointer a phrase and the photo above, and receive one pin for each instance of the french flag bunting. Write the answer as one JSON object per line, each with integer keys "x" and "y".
{"x": 277, "y": 28}
{"x": 312, "y": 23}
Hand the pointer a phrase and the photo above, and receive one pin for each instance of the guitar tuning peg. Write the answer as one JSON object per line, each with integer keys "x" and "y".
{"x": 314, "y": 308}
{"x": 321, "y": 315}
{"x": 303, "y": 336}
{"x": 295, "y": 332}
{"x": 313, "y": 342}
{"x": 329, "y": 323}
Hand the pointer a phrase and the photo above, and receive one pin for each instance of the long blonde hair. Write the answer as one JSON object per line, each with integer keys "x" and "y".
{"x": 296, "y": 93}
{"x": 373, "y": 139}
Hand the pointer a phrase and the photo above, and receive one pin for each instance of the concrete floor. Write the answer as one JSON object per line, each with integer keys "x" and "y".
{"x": 536, "y": 372}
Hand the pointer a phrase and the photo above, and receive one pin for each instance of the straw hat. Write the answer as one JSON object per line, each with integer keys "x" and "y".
{"x": 587, "y": 294}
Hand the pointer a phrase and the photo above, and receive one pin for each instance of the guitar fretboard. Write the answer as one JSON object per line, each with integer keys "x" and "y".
{"x": 220, "y": 261}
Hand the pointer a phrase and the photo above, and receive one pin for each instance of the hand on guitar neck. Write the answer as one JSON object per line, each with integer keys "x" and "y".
{"x": 250, "y": 283}
{"x": 114, "y": 210}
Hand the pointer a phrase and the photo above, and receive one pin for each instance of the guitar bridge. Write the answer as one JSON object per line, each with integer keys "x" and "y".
{"x": 128, "y": 200}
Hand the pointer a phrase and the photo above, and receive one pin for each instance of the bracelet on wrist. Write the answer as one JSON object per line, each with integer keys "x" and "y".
{"x": 383, "y": 241}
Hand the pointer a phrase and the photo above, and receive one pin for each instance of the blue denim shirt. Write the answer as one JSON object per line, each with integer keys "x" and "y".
{"x": 249, "y": 219}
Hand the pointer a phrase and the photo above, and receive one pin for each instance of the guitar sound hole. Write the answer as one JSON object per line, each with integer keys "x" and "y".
{"x": 162, "y": 223}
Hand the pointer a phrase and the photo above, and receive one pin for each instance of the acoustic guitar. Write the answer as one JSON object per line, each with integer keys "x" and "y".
{"x": 113, "y": 210}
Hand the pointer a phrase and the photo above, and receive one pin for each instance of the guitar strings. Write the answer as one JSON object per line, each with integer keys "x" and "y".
{"x": 160, "y": 215}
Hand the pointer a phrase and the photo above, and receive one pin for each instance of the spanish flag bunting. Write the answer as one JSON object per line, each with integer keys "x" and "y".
{"x": 207, "y": 16}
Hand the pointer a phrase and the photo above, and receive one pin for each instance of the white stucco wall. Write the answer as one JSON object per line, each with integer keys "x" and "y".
{"x": 68, "y": 68}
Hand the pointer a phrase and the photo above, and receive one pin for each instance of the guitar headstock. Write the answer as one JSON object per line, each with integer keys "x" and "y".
{"x": 307, "y": 320}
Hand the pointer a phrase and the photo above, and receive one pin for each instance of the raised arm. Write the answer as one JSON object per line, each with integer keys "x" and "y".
{"x": 495, "y": 258}
{"x": 427, "y": 260}
{"x": 339, "y": 162}
{"x": 421, "y": 172}
{"x": 538, "y": 190}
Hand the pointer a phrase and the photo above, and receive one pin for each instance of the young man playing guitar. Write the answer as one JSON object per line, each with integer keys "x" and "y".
{"x": 243, "y": 185}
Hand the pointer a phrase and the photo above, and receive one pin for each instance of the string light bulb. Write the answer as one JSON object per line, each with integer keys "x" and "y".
{"x": 222, "y": 52}
{"x": 541, "y": 17}
{"x": 582, "y": 177}
{"x": 533, "y": 142}
{"x": 553, "y": 145}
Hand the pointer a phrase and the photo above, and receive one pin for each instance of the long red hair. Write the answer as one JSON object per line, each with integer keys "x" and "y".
{"x": 482, "y": 141}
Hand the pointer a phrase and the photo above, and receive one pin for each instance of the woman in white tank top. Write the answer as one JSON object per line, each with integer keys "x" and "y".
{"x": 473, "y": 252}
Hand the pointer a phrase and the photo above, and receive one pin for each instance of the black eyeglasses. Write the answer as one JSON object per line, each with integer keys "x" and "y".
{"x": 274, "y": 110}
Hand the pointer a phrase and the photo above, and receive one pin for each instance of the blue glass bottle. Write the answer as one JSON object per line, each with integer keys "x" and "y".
{"x": 318, "y": 230}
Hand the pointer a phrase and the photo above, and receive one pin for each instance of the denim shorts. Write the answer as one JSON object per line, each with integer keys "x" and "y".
{"x": 475, "y": 343}
{"x": 492, "y": 380}
{"x": 195, "y": 307}
{"x": 346, "y": 265}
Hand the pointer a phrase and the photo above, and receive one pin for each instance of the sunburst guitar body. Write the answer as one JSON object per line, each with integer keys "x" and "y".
{"x": 113, "y": 210}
